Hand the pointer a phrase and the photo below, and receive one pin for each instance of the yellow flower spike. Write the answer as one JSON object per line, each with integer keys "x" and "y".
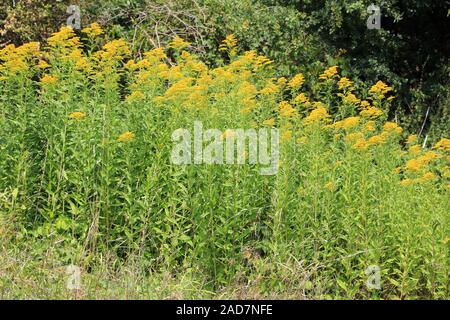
{"x": 430, "y": 155}
{"x": 42, "y": 64}
{"x": 301, "y": 99}
{"x": 286, "y": 110}
{"x": 7, "y": 52}
{"x": 351, "y": 99}
{"x": 16, "y": 65}
{"x": 377, "y": 139}
{"x": 77, "y": 115}
{"x": 30, "y": 49}
{"x": 115, "y": 50}
{"x": 269, "y": 122}
{"x": 329, "y": 186}
{"x": 286, "y": 136}
{"x": 261, "y": 61}
{"x": 249, "y": 103}
{"x": 407, "y": 182}
{"x": 370, "y": 126}
{"x": 48, "y": 79}
{"x": 126, "y": 137}
{"x": 398, "y": 170}
{"x": 229, "y": 44}
{"x": 360, "y": 144}
{"x": 365, "y": 104}
{"x": 353, "y": 137}
{"x": 329, "y": 73}
{"x": 415, "y": 149}
{"x": 371, "y": 112}
{"x": 135, "y": 96}
{"x": 443, "y": 145}
{"x": 282, "y": 81}
{"x": 379, "y": 90}
{"x": 392, "y": 127}
{"x": 428, "y": 176}
{"x": 318, "y": 114}
{"x": 65, "y": 37}
{"x": 347, "y": 123}
{"x": 178, "y": 43}
{"x": 297, "y": 81}
{"x": 245, "y": 110}
{"x": 414, "y": 164}
{"x": 269, "y": 89}
{"x": 418, "y": 163}
{"x": 131, "y": 65}
{"x": 344, "y": 83}
{"x": 94, "y": 30}
{"x": 412, "y": 138}
{"x": 247, "y": 89}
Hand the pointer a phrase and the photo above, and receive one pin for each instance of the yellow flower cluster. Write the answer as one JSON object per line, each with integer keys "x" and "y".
{"x": 379, "y": 90}
{"x": 15, "y": 60}
{"x": 329, "y": 73}
{"x": 302, "y": 99}
{"x": 286, "y": 135}
{"x": 126, "y": 137}
{"x": 443, "y": 145}
{"x": 346, "y": 123}
{"x": 48, "y": 79}
{"x": 350, "y": 98}
{"x": 344, "y": 83}
{"x": 414, "y": 149}
{"x": 319, "y": 114}
{"x": 370, "y": 126}
{"x": 329, "y": 185}
{"x": 411, "y": 139}
{"x": 286, "y": 110}
{"x": 376, "y": 139}
{"x": 77, "y": 115}
{"x": 42, "y": 65}
{"x": 428, "y": 176}
{"x": 392, "y": 127}
{"x": 229, "y": 45}
{"x": 269, "y": 89}
{"x": 418, "y": 163}
{"x": 178, "y": 43}
{"x": 269, "y": 122}
{"x": 64, "y": 38}
{"x": 114, "y": 50}
{"x": 371, "y": 112}
{"x": 94, "y": 30}
{"x": 81, "y": 63}
{"x": 297, "y": 81}
{"x": 135, "y": 96}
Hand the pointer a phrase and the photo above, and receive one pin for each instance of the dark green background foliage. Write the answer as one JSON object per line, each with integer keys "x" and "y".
{"x": 410, "y": 51}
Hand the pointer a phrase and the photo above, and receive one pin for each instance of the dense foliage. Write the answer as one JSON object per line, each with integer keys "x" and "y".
{"x": 85, "y": 173}
{"x": 410, "y": 51}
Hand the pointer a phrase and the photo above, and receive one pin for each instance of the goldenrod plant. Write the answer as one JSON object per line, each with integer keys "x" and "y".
{"x": 86, "y": 179}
